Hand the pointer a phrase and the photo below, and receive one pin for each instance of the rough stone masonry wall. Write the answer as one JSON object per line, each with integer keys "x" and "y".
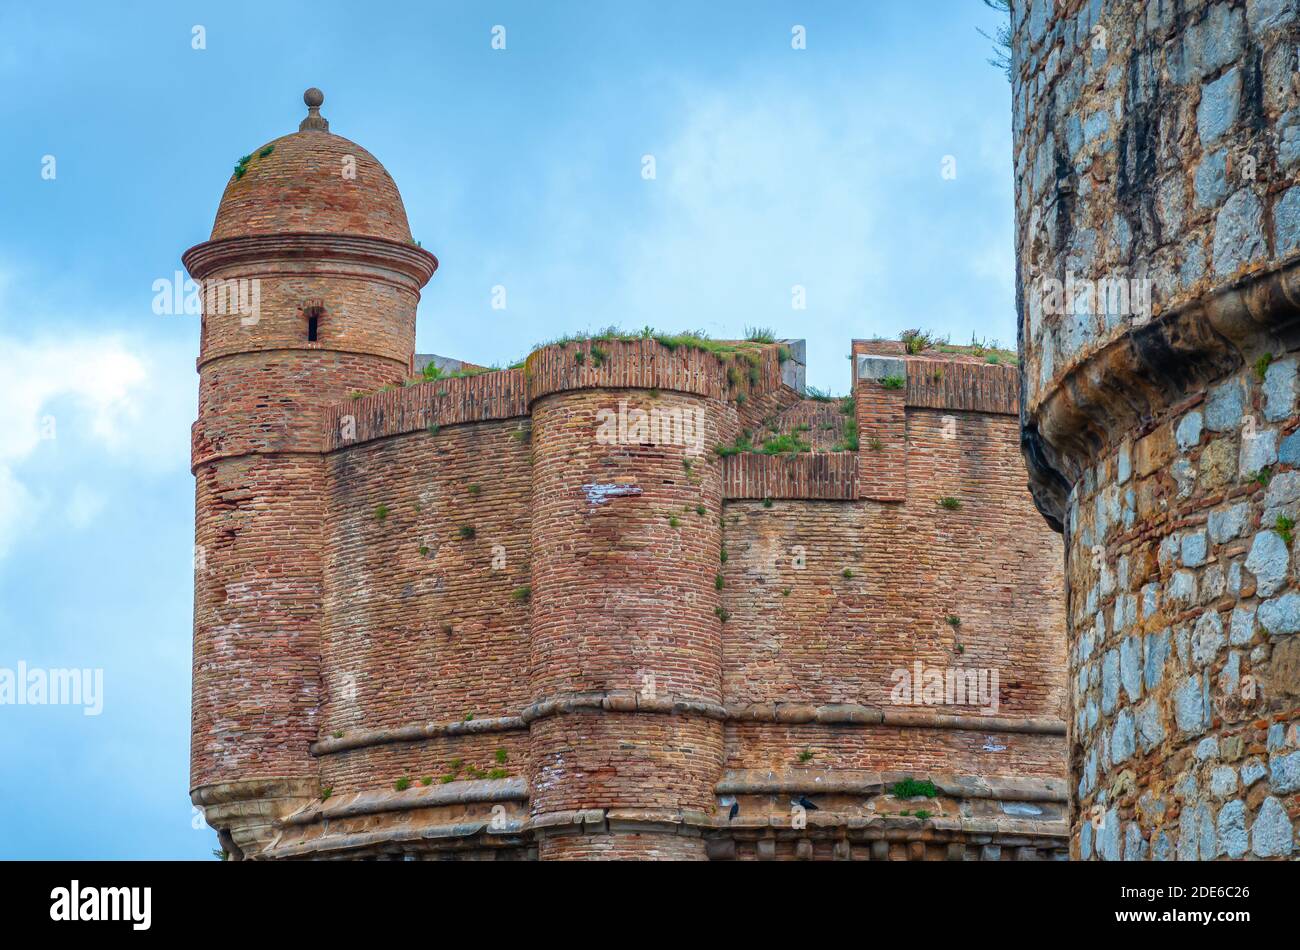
{"x": 1154, "y": 139}
{"x": 1185, "y": 667}
{"x": 1160, "y": 141}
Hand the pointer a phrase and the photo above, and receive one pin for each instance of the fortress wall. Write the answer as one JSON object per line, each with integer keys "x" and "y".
{"x": 624, "y": 847}
{"x": 1157, "y": 142}
{"x": 628, "y": 760}
{"x": 422, "y": 624}
{"x": 800, "y": 631}
{"x": 409, "y": 408}
{"x": 458, "y": 651}
{"x": 1153, "y": 140}
{"x": 833, "y": 638}
{"x": 1185, "y": 667}
{"x": 626, "y": 543}
{"x": 640, "y": 671}
{"x": 647, "y": 364}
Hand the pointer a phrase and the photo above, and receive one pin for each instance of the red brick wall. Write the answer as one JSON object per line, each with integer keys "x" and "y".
{"x": 623, "y": 590}
{"x": 621, "y": 847}
{"x": 434, "y": 635}
{"x": 624, "y": 760}
{"x": 256, "y": 618}
{"x": 618, "y": 588}
{"x": 882, "y": 447}
{"x": 814, "y": 635}
{"x": 778, "y": 747}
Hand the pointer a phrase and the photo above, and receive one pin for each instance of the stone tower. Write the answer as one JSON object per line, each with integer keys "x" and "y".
{"x": 310, "y": 282}
{"x": 1157, "y": 145}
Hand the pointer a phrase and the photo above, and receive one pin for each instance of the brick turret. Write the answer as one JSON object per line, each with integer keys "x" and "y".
{"x": 626, "y": 546}
{"x": 310, "y": 289}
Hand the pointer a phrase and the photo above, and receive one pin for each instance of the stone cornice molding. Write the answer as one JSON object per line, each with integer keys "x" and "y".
{"x": 410, "y": 261}
{"x": 630, "y": 702}
{"x": 1124, "y": 387}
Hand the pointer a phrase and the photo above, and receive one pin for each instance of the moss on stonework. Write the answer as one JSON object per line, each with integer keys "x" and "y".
{"x": 911, "y": 788}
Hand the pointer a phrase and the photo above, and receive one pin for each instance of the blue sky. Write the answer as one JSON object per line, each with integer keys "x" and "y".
{"x": 520, "y": 167}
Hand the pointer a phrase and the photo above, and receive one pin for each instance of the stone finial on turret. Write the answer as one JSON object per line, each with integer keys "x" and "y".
{"x": 314, "y": 121}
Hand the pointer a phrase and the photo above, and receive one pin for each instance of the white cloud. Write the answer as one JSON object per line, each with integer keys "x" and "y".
{"x": 79, "y": 404}
{"x": 98, "y": 379}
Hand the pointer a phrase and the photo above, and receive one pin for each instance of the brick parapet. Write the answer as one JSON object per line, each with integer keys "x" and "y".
{"x": 882, "y": 441}
{"x": 965, "y": 387}
{"x": 482, "y": 398}
{"x": 824, "y": 475}
{"x": 959, "y": 380}
{"x": 648, "y": 364}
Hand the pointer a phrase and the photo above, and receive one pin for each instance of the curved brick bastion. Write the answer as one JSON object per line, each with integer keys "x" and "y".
{"x": 1156, "y": 147}
{"x": 596, "y": 606}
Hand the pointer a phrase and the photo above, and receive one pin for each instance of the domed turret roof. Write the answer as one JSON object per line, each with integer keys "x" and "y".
{"x": 311, "y": 182}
